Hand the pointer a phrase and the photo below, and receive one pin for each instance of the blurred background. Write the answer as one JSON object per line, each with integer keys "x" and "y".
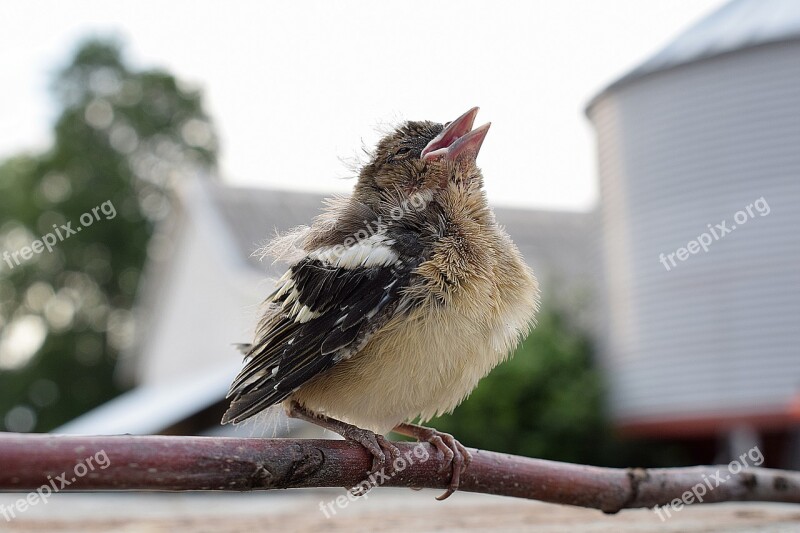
{"x": 622, "y": 130}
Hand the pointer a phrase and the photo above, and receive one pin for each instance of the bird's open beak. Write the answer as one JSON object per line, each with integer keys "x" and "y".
{"x": 457, "y": 139}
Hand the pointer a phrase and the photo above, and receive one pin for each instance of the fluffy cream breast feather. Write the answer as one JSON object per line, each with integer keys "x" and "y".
{"x": 446, "y": 349}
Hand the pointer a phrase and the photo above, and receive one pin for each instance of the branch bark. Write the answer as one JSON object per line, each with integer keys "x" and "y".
{"x": 161, "y": 463}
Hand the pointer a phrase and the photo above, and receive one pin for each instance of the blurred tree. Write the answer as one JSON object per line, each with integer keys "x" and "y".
{"x": 548, "y": 402}
{"x": 122, "y": 140}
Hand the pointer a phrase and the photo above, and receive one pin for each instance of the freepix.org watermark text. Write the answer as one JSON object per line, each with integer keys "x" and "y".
{"x": 715, "y": 233}
{"x": 752, "y": 457}
{"x": 60, "y": 233}
{"x": 418, "y": 454}
{"x": 55, "y": 484}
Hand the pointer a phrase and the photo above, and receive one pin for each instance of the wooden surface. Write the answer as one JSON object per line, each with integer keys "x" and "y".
{"x": 388, "y": 510}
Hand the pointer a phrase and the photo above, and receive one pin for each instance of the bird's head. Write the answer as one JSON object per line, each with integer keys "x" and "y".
{"x": 425, "y": 158}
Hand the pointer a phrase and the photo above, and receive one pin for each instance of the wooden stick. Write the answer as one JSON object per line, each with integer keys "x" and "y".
{"x": 161, "y": 463}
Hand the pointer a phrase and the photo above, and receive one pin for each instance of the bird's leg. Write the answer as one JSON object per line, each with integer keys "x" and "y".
{"x": 455, "y": 454}
{"x": 384, "y": 452}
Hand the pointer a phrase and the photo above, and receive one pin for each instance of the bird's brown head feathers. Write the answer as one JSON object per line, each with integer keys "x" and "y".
{"x": 421, "y": 176}
{"x": 424, "y": 157}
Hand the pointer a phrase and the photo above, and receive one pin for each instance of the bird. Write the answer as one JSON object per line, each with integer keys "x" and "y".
{"x": 398, "y": 299}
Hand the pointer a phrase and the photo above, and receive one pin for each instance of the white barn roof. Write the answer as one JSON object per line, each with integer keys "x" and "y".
{"x": 738, "y": 24}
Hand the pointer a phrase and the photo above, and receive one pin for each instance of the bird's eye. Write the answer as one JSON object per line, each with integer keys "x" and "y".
{"x": 400, "y": 154}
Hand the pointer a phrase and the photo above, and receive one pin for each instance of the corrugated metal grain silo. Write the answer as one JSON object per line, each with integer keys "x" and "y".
{"x": 708, "y": 130}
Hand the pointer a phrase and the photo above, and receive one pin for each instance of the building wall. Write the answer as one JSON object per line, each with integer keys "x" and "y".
{"x": 718, "y": 335}
{"x": 206, "y": 300}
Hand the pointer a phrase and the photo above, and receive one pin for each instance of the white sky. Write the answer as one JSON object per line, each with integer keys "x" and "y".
{"x": 296, "y": 86}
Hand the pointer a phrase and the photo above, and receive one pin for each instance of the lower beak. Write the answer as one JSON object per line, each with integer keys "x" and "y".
{"x": 457, "y": 140}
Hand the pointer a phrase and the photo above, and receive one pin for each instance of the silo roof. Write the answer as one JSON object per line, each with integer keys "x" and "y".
{"x": 736, "y": 25}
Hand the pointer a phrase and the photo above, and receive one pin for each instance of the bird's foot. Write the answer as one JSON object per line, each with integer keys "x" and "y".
{"x": 455, "y": 454}
{"x": 384, "y": 452}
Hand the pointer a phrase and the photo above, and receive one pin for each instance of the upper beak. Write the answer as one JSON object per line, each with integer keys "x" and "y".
{"x": 457, "y": 139}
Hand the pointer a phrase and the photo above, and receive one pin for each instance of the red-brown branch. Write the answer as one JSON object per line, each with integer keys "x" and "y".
{"x": 158, "y": 463}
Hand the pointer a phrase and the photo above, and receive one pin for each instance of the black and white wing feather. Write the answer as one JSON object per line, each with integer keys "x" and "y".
{"x": 325, "y": 309}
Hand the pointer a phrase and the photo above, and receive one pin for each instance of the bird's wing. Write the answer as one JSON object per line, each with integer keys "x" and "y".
{"x": 325, "y": 309}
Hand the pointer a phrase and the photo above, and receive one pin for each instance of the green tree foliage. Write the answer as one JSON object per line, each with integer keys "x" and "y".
{"x": 548, "y": 402}
{"x": 122, "y": 139}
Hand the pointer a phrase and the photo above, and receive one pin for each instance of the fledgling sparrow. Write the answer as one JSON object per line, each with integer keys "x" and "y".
{"x": 398, "y": 300}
